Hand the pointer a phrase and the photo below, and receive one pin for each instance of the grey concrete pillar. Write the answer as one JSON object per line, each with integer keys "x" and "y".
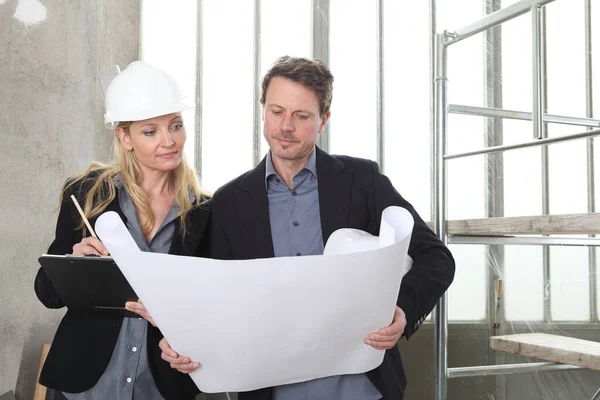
{"x": 51, "y": 127}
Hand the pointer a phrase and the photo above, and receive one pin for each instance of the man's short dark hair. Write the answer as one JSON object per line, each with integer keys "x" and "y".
{"x": 311, "y": 73}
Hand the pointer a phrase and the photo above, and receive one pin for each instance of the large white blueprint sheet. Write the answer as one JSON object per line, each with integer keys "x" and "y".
{"x": 266, "y": 322}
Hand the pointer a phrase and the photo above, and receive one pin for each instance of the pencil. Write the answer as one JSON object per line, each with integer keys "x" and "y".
{"x": 87, "y": 223}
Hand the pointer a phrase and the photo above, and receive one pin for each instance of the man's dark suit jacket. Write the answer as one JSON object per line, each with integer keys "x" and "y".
{"x": 83, "y": 345}
{"x": 352, "y": 194}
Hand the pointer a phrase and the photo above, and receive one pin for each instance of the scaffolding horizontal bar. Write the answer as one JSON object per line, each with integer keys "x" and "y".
{"x": 540, "y": 142}
{"x": 523, "y": 240}
{"x": 520, "y": 326}
{"x": 550, "y": 347}
{"x": 521, "y": 115}
{"x": 550, "y": 224}
{"x": 494, "y": 19}
{"x": 506, "y": 369}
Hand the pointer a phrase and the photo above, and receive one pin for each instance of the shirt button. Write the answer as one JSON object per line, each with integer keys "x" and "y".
{"x": 134, "y": 349}
{"x": 298, "y": 254}
{"x": 128, "y": 380}
{"x": 294, "y": 193}
{"x": 296, "y": 223}
{"x": 277, "y": 180}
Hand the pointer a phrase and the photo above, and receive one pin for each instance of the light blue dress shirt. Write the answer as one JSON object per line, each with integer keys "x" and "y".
{"x": 295, "y": 220}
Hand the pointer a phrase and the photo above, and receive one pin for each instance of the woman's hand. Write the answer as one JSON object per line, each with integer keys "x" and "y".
{"x": 139, "y": 308}
{"x": 90, "y": 245}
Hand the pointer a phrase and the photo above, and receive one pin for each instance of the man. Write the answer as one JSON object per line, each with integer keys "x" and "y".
{"x": 296, "y": 198}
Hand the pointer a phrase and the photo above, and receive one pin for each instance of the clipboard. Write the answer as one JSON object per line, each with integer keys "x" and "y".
{"x": 89, "y": 285}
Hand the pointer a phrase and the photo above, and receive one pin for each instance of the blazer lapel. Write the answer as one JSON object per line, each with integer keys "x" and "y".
{"x": 116, "y": 207}
{"x": 335, "y": 193}
{"x": 196, "y": 222}
{"x": 177, "y": 242}
{"x": 252, "y": 206}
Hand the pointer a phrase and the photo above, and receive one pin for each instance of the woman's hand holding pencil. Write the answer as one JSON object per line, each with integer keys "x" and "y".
{"x": 88, "y": 245}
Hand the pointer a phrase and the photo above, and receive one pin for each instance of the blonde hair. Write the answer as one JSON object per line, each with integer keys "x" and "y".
{"x": 103, "y": 191}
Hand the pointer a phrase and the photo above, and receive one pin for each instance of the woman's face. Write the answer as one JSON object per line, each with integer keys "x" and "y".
{"x": 157, "y": 142}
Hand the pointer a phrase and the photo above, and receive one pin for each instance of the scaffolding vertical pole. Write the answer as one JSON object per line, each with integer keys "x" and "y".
{"x": 257, "y": 110}
{"x": 591, "y": 181}
{"x": 536, "y": 62}
{"x": 432, "y": 38}
{"x": 380, "y": 88}
{"x": 441, "y": 113}
{"x": 540, "y": 32}
{"x": 494, "y": 191}
{"x": 320, "y": 50}
{"x": 199, "y": 75}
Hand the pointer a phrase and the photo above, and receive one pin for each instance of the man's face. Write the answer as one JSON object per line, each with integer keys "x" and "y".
{"x": 292, "y": 121}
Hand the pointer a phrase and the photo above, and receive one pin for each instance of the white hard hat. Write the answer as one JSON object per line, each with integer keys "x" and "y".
{"x": 141, "y": 92}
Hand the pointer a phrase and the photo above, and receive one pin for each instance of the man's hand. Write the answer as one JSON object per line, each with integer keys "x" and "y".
{"x": 139, "y": 308}
{"x": 180, "y": 363}
{"x": 387, "y": 337}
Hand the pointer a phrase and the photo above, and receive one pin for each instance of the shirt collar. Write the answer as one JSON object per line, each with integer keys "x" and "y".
{"x": 311, "y": 165}
{"x": 118, "y": 182}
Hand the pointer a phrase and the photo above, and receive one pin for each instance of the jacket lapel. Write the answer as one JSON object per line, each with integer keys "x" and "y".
{"x": 335, "y": 193}
{"x": 186, "y": 243}
{"x": 178, "y": 243}
{"x": 252, "y": 206}
{"x": 116, "y": 207}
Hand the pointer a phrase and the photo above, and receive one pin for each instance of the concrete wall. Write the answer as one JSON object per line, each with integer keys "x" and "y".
{"x": 51, "y": 126}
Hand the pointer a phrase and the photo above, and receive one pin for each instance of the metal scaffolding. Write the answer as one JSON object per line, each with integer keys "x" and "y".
{"x": 540, "y": 118}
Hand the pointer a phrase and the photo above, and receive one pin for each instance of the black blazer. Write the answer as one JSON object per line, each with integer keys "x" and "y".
{"x": 83, "y": 345}
{"x": 352, "y": 194}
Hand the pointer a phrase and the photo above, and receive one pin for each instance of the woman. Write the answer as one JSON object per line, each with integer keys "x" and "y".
{"x": 152, "y": 188}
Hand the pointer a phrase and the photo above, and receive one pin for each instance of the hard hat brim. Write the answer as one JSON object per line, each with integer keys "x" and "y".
{"x": 111, "y": 121}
